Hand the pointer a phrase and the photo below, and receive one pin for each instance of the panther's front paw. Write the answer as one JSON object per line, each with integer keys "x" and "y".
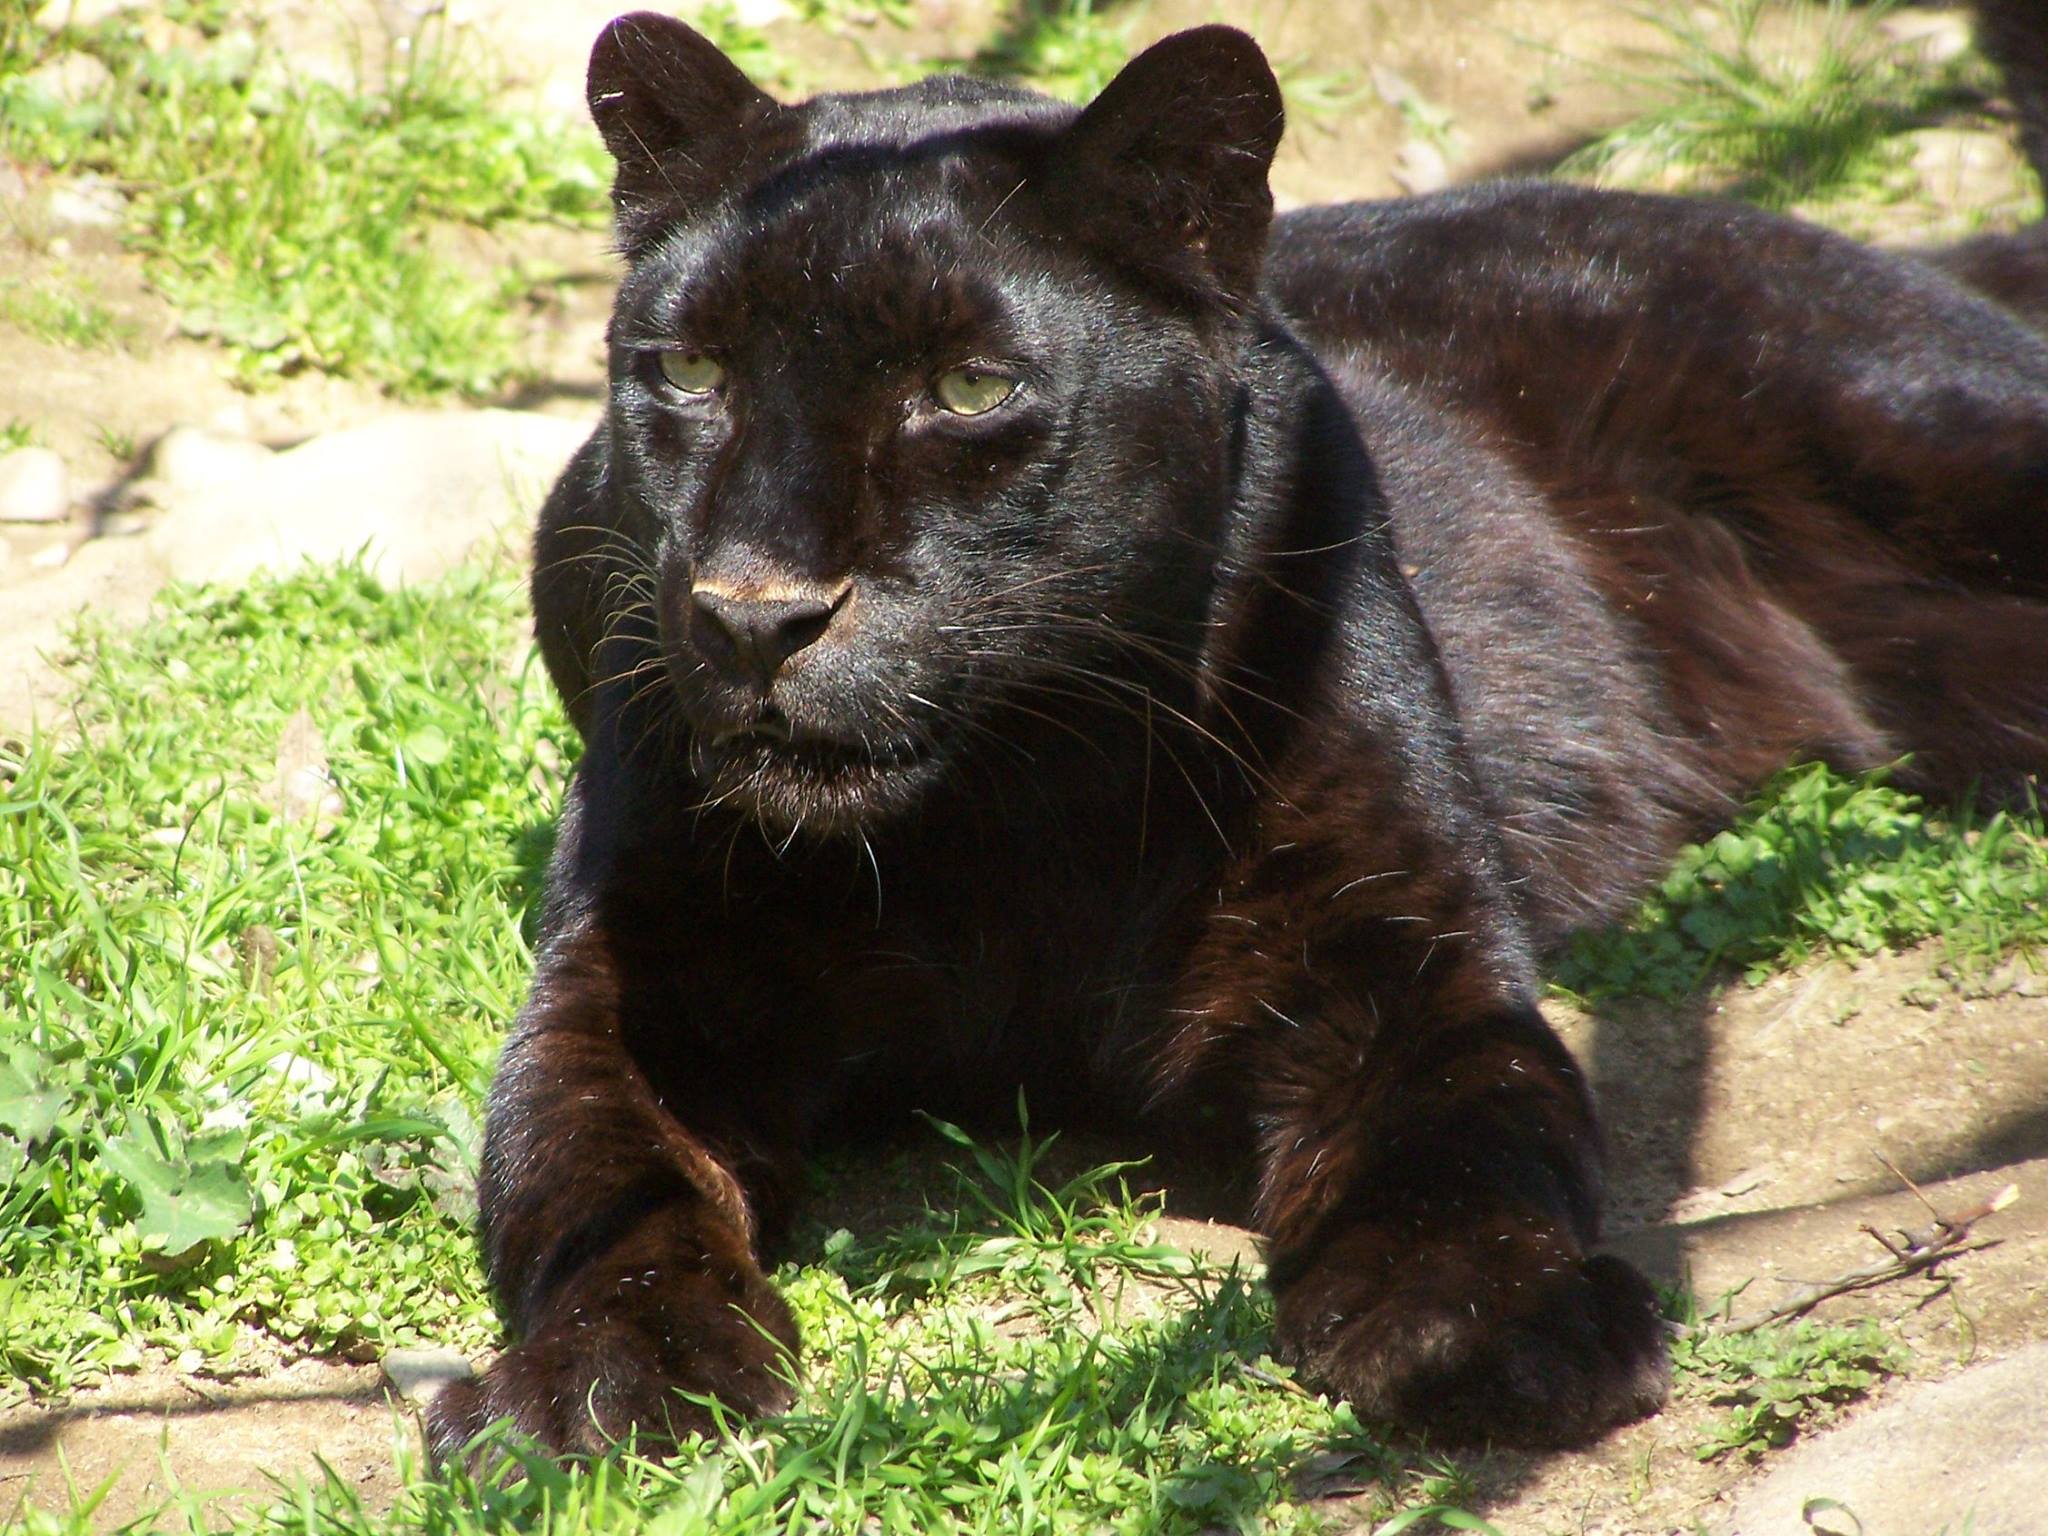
{"x": 582, "y": 1383}
{"x": 1507, "y": 1335}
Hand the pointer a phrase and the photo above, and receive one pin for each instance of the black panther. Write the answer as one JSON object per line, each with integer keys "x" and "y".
{"x": 1035, "y": 618}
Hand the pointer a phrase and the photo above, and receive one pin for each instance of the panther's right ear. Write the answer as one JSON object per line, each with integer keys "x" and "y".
{"x": 1166, "y": 169}
{"x": 677, "y": 115}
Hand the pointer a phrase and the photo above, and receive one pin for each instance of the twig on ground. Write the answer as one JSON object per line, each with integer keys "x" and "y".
{"x": 1914, "y": 1253}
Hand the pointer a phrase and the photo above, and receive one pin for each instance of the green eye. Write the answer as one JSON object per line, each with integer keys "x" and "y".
{"x": 972, "y": 392}
{"x": 691, "y": 372}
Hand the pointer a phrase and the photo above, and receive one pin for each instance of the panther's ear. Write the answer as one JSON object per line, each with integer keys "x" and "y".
{"x": 677, "y": 115}
{"x": 1168, "y": 165}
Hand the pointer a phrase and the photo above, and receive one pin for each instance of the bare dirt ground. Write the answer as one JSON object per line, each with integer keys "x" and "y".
{"x": 1747, "y": 1127}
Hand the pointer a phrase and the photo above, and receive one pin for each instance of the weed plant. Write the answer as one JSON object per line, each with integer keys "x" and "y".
{"x": 1775, "y": 1381}
{"x": 1776, "y": 101}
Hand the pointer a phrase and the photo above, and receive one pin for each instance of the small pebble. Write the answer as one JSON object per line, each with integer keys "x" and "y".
{"x": 192, "y": 458}
{"x": 88, "y": 202}
{"x": 35, "y": 487}
{"x": 72, "y": 78}
{"x": 418, "y": 1374}
{"x": 82, "y": 14}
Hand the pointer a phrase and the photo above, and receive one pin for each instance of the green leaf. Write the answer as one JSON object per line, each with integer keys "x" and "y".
{"x": 29, "y": 1107}
{"x": 183, "y": 1203}
{"x": 427, "y": 745}
{"x": 1448, "y": 1516}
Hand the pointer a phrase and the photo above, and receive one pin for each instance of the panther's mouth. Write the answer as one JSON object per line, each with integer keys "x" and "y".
{"x": 790, "y": 779}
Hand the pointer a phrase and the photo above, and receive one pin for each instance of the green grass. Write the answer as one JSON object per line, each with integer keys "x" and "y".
{"x": 243, "y": 1057}
{"x": 241, "y": 1053}
{"x": 291, "y": 219}
{"x": 1781, "y": 102}
{"x": 241, "y": 1063}
{"x": 1067, "y": 48}
{"x": 1822, "y": 863}
{"x": 1072, "y": 48}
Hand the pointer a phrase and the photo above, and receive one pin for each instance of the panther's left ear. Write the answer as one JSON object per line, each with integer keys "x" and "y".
{"x": 1168, "y": 165}
{"x": 680, "y": 118}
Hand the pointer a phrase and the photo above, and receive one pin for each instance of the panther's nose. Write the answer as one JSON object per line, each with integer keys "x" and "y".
{"x": 749, "y": 635}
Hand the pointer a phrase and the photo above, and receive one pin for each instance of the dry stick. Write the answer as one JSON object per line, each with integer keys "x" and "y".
{"x": 1918, "y": 1252}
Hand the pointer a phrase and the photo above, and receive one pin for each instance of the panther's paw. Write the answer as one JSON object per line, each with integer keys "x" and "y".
{"x": 582, "y": 1384}
{"x": 1510, "y": 1336}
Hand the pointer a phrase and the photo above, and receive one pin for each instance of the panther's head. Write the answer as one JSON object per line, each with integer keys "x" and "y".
{"x": 922, "y": 400}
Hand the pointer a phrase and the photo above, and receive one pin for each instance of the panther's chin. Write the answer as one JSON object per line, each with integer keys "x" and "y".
{"x": 794, "y": 784}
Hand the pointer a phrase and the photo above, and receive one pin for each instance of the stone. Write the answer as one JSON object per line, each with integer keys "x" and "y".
{"x": 1966, "y": 167}
{"x": 1939, "y": 37}
{"x": 83, "y": 14}
{"x": 193, "y": 458}
{"x": 413, "y": 494}
{"x": 1965, "y": 1454}
{"x": 72, "y": 78}
{"x": 304, "y": 788}
{"x": 86, "y": 202}
{"x": 417, "y": 1375}
{"x": 35, "y": 487}
{"x": 1420, "y": 167}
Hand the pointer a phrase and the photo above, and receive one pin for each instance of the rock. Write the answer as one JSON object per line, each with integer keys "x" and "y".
{"x": 1966, "y": 166}
{"x": 194, "y": 458}
{"x": 82, "y": 14}
{"x": 1939, "y": 37}
{"x": 51, "y": 557}
{"x": 1420, "y": 167}
{"x": 6, "y": 556}
{"x": 418, "y": 1374}
{"x": 72, "y": 78}
{"x": 234, "y": 419}
{"x": 304, "y": 788}
{"x": 414, "y": 494}
{"x": 35, "y": 487}
{"x": 86, "y": 202}
{"x": 1963, "y": 1454}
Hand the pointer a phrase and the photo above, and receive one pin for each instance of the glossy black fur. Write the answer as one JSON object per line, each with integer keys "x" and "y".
{"x": 1342, "y": 611}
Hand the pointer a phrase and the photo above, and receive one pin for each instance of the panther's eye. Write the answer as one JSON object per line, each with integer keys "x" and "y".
{"x": 972, "y": 391}
{"x": 692, "y": 372}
